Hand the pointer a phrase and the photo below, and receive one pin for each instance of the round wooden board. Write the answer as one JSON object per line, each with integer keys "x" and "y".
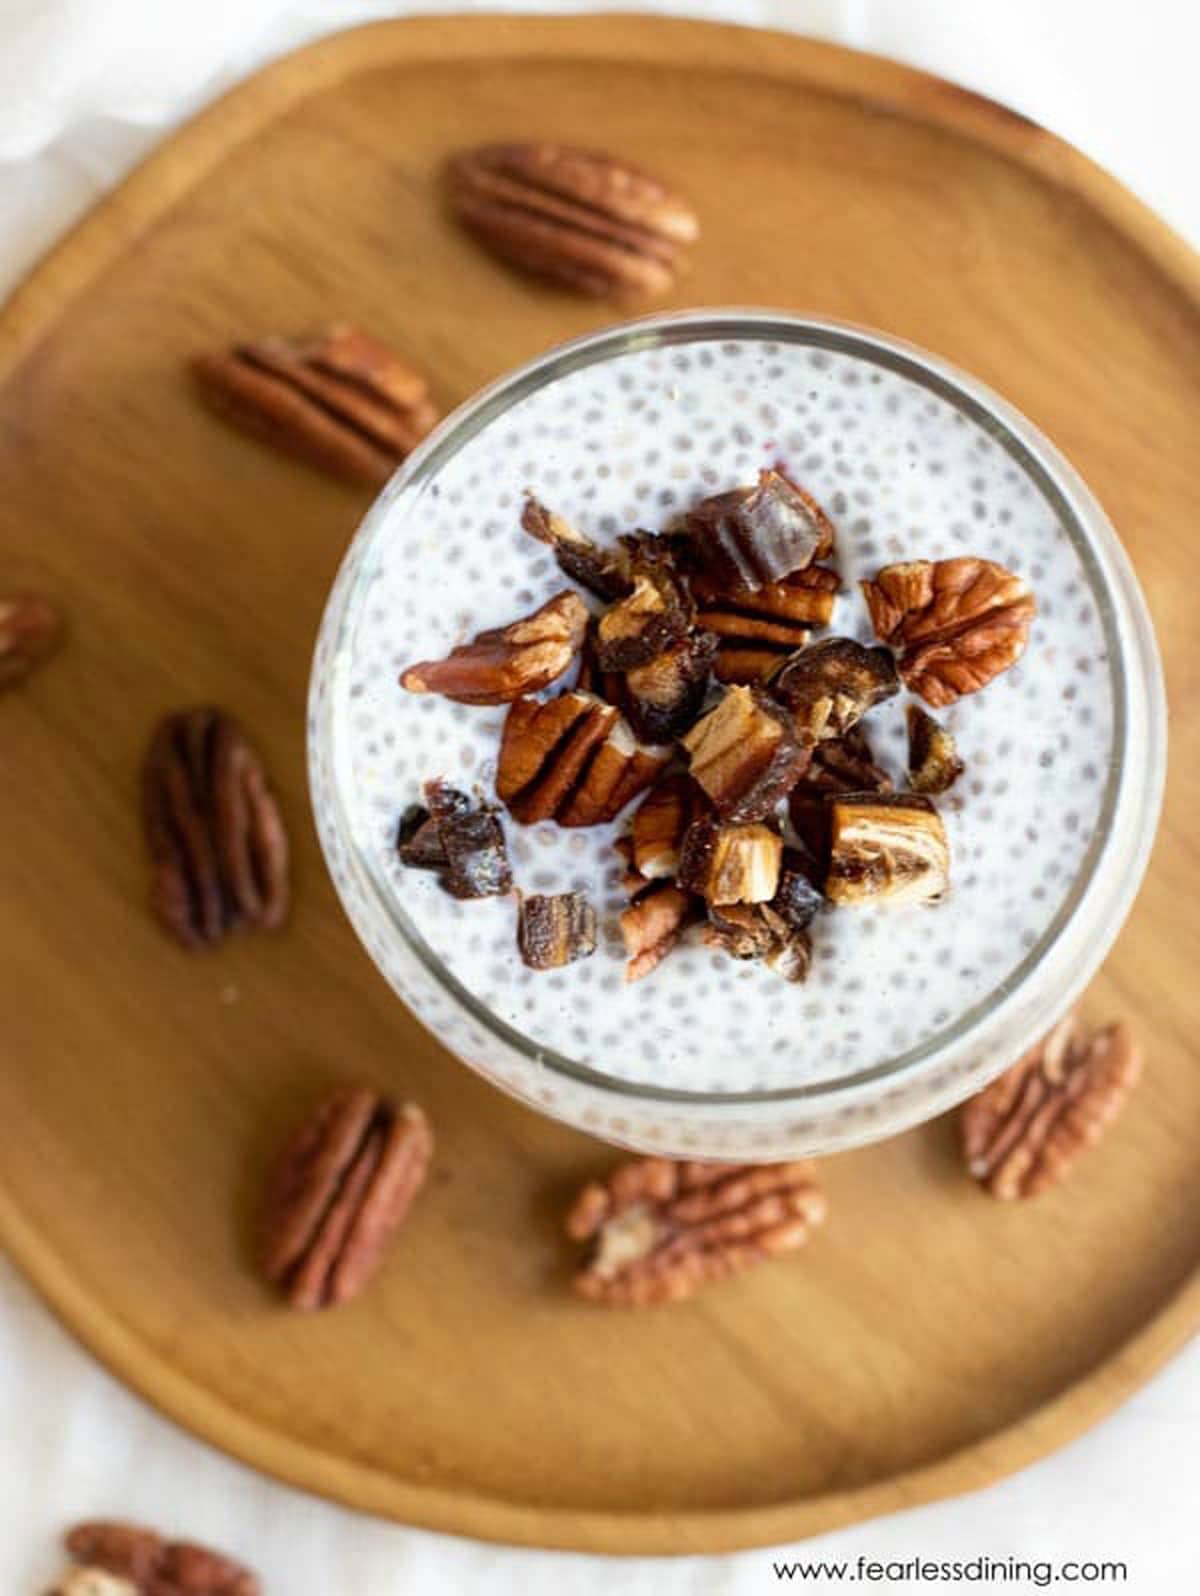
{"x": 929, "y": 1339}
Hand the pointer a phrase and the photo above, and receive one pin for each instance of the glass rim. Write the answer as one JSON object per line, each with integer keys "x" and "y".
{"x": 1121, "y": 607}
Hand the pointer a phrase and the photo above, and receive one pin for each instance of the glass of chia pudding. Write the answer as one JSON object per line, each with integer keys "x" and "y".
{"x": 903, "y": 982}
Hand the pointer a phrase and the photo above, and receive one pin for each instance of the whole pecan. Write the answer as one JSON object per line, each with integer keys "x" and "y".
{"x": 505, "y": 663}
{"x": 142, "y": 1562}
{"x": 582, "y": 218}
{"x": 343, "y": 1186}
{"x": 661, "y": 1230}
{"x": 1023, "y": 1133}
{"x": 217, "y": 843}
{"x": 343, "y": 401}
{"x": 955, "y": 623}
{"x": 30, "y": 630}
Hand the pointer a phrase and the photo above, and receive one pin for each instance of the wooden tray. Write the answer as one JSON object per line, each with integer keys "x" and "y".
{"x": 929, "y": 1340}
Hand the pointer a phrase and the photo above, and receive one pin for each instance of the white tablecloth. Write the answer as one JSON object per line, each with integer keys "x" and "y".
{"x": 86, "y": 86}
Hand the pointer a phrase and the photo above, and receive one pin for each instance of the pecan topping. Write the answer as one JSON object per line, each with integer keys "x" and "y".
{"x": 30, "y": 631}
{"x": 838, "y": 765}
{"x": 756, "y": 535}
{"x": 604, "y": 572}
{"x": 933, "y": 762}
{"x": 744, "y": 754}
{"x": 500, "y": 665}
{"x": 463, "y": 843}
{"x": 831, "y": 685}
{"x": 343, "y": 402}
{"x": 731, "y": 864}
{"x": 775, "y": 932}
{"x": 652, "y": 925}
{"x": 572, "y": 759}
{"x": 658, "y": 826}
{"x": 656, "y": 613}
{"x": 581, "y": 218}
{"x": 141, "y": 1563}
{"x": 343, "y": 1186}
{"x": 886, "y": 846}
{"x": 217, "y": 843}
{"x": 660, "y": 1231}
{"x": 759, "y": 627}
{"x": 955, "y": 623}
{"x": 663, "y": 697}
{"x": 1023, "y": 1133}
{"x": 557, "y": 930}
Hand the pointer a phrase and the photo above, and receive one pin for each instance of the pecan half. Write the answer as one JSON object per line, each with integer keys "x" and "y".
{"x": 217, "y": 843}
{"x": 656, "y": 612}
{"x": 555, "y": 930}
{"x": 744, "y": 754}
{"x": 933, "y": 762}
{"x": 344, "y": 1184}
{"x": 886, "y": 846}
{"x": 955, "y": 623}
{"x": 838, "y": 765}
{"x": 140, "y": 1561}
{"x": 462, "y": 842}
{"x": 506, "y": 662}
{"x": 756, "y": 535}
{"x": 572, "y": 759}
{"x": 653, "y": 924}
{"x": 343, "y": 402}
{"x": 1023, "y": 1134}
{"x": 660, "y": 1231}
{"x": 604, "y": 572}
{"x": 30, "y": 631}
{"x": 829, "y": 686}
{"x": 731, "y": 863}
{"x": 759, "y": 627}
{"x": 581, "y": 218}
{"x": 663, "y": 697}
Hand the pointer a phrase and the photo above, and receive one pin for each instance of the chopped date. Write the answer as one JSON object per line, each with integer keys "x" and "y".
{"x": 462, "y": 843}
{"x": 731, "y": 863}
{"x": 663, "y": 697}
{"x": 829, "y": 686}
{"x": 656, "y": 613}
{"x": 604, "y": 572}
{"x": 886, "y": 847}
{"x": 556, "y": 930}
{"x": 745, "y": 755}
{"x": 758, "y": 534}
{"x": 933, "y": 762}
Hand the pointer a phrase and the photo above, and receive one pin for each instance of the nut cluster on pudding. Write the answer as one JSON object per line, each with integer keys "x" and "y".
{"x": 700, "y": 691}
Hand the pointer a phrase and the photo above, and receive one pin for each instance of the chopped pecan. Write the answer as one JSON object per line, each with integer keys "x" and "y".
{"x": 604, "y": 572}
{"x": 775, "y": 932}
{"x": 584, "y": 219}
{"x": 1022, "y": 1134}
{"x": 462, "y": 842}
{"x": 656, "y": 613}
{"x": 838, "y": 765}
{"x": 658, "y": 826}
{"x": 730, "y": 863}
{"x": 756, "y": 535}
{"x": 663, "y": 697}
{"x": 659, "y": 1231}
{"x": 886, "y": 846}
{"x": 759, "y": 627}
{"x": 217, "y": 844}
{"x": 557, "y": 930}
{"x": 342, "y": 402}
{"x": 145, "y": 1564}
{"x": 744, "y": 754}
{"x": 572, "y": 759}
{"x": 955, "y": 623}
{"x": 30, "y": 631}
{"x": 507, "y": 662}
{"x": 652, "y": 924}
{"x": 831, "y": 685}
{"x": 933, "y": 762}
{"x": 344, "y": 1184}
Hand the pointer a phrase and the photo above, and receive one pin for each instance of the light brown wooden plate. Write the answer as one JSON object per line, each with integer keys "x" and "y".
{"x": 928, "y": 1340}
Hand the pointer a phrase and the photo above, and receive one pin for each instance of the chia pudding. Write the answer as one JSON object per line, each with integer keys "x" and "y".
{"x": 907, "y": 468}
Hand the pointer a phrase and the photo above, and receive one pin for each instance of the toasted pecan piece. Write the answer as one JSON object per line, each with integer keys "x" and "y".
{"x": 933, "y": 762}
{"x": 343, "y": 402}
{"x": 759, "y": 627}
{"x": 886, "y": 846}
{"x": 954, "y": 623}
{"x": 730, "y": 863}
{"x": 507, "y": 662}
{"x": 1024, "y": 1133}
{"x": 659, "y": 823}
{"x": 755, "y": 535}
{"x": 659, "y": 1231}
{"x": 843, "y": 764}
{"x": 572, "y": 759}
{"x": 604, "y": 572}
{"x": 119, "y": 1559}
{"x": 652, "y": 925}
{"x": 555, "y": 930}
{"x": 584, "y": 219}
{"x": 744, "y": 754}
{"x": 829, "y": 686}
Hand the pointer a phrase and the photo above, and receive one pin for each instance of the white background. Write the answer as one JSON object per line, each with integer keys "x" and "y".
{"x": 86, "y": 87}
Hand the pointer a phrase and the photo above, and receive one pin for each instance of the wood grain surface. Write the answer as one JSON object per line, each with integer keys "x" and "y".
{"x": 928, "y": 1340}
